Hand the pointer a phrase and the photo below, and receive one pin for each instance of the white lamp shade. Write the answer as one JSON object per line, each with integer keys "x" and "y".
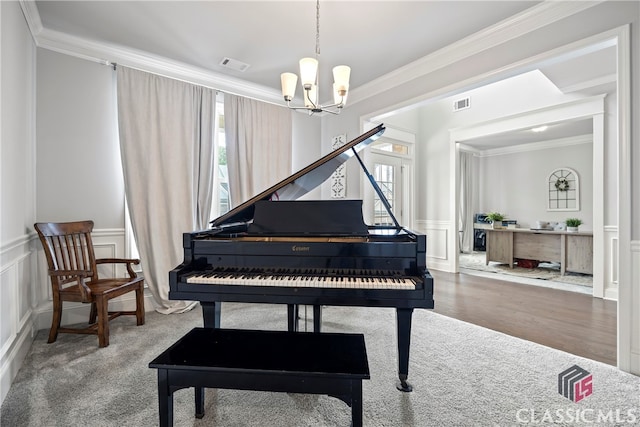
{"x": 341, "y": 74}
{"x": 288, "y": 82}
{"x": 337, "y": 97}
{"x": 308, "y": 71}
{"x": 311, "y": 97}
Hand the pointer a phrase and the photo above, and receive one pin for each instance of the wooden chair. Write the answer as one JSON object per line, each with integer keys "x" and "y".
{"x": 74, "y": 277}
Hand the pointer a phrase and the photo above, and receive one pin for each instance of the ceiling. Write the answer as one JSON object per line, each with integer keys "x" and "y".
{"x": 553, "y": 132}
{"x": 373, "y": 37}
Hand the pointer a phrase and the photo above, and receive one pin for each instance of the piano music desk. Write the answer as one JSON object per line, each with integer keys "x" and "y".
{"x": 293, "y": 362}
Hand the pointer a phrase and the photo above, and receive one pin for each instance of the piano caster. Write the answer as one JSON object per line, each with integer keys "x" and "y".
{"x": 403, "y": 385}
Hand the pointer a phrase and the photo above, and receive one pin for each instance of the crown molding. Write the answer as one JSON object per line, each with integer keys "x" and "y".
{"x": 529, "y": 20}
{"x": 108, "y": 54}
{"x": 511, "y": 28}
{"x": 31, "y": 15}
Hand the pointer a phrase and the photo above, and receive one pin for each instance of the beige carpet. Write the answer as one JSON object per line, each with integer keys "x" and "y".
{"x": 544, "y": 271}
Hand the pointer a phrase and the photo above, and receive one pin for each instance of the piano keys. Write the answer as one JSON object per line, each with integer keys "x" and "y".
{"x": 276, "y": 249}
{"x": 302, "y": 279}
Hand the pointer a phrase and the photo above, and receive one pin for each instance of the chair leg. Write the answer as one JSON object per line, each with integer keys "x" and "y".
{"x": 93, "y": 314}
{"x": 103, "y": 321}
{"x": 55, "y": 320}
{"x": 140, "y": 305}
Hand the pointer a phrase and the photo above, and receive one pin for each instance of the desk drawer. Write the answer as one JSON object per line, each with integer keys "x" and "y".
{"x": 537, "y": 246}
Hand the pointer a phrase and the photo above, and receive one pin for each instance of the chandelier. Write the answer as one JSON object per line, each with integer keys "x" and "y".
{"x": 309, "y": 81}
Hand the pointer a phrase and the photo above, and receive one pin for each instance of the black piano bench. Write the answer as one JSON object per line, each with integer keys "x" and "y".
{"x": 292, "y": 362}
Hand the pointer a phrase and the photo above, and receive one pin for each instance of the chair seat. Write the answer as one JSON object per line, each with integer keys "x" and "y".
{"x": 103, "y": 287}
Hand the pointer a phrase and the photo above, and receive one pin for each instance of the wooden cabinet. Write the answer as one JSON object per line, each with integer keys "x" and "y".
{"x": 499, "y": 247}
{"x": 573, "y": 251}
{"x": 579, "y": 253}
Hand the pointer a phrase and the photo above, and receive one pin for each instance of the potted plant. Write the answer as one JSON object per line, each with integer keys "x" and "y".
{"x": 573, "y": 224}
{"x": 495, "y": 218}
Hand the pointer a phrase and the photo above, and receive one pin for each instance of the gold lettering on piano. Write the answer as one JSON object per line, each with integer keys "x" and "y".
{"x": 296, "y": 248}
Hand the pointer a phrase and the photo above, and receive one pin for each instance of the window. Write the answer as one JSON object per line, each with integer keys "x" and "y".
{"x": 384, "y": 174}
{"x": 220, "y": 203}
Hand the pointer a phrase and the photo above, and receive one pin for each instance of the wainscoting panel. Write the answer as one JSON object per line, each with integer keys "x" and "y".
{"x": 610, "y": 278}
{"x": 16, "y": 307}
{"x": 635, "y": 314}
{"x": 437, "y": 233}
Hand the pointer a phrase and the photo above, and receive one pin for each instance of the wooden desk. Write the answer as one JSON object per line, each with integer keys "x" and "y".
{"x": 292, "y": 362}
{"x": 573, "y": 251}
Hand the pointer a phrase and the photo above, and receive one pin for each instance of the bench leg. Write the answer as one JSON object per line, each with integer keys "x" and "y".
{"x": 356, "y": 403}
{"x": 165, "y": 399}
{"x": 199, "y": 402}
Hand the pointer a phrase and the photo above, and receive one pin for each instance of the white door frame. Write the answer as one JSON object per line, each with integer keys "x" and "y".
{"x": 592, "y": 107}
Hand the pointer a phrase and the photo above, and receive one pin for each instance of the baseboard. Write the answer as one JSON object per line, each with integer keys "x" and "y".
{"x": 439, "y": 265}
{"x": 14, "y": 358}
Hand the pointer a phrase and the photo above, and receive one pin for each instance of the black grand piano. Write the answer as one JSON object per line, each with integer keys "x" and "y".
{"x": 276, "y": 249}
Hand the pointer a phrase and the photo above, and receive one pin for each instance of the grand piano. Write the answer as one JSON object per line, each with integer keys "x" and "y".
{"x": 277, "y": 249}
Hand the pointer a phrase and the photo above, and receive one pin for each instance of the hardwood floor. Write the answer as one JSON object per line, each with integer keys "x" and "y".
{"x": 568, "y": 321}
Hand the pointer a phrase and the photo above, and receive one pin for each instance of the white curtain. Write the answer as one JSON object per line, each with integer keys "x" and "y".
{"x": 167, "y": 146}
{"x": 466, "y": 202}
{"x": 258, "y": 138}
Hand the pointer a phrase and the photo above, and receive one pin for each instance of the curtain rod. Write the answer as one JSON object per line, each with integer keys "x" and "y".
{"x": 114, "y": 65}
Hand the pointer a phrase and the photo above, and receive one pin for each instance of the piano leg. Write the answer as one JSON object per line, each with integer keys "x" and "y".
{"x": 317, "y": 318}
{"x": 211, "y": 314}
{"x": 403, "y": 324}
{"x": 293, "y": 312}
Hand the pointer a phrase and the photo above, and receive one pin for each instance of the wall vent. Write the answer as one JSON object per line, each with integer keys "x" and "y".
{"x": 461, "y": 104}
{"x": 234, "y": 64}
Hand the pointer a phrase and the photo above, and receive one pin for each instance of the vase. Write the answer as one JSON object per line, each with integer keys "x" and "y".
{"x": 496, "y": 225}
{"x": 572, "y": 229}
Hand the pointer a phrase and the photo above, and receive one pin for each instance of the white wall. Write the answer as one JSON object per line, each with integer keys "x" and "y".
{"x": 17, "y": 198}
{"x": 516, "y": 183}
{"x": 78, "y": 157}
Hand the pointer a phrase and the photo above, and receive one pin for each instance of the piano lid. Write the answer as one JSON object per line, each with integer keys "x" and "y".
{"x": 303, "y": 181}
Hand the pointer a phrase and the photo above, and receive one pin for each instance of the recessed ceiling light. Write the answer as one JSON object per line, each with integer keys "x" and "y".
{"x": 539, "y": 129}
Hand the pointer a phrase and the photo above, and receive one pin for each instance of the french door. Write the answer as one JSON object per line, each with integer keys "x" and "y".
{"x": 392, "y": 175}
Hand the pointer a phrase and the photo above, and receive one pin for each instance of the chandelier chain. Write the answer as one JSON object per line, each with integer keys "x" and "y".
{"x": 317, "y": 28}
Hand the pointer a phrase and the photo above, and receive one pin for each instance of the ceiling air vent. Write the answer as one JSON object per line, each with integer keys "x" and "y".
{"x": 461, "y": 104}
{"x": 234, "y": 64}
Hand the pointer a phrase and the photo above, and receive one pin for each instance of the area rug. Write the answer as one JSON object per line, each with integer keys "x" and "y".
{"x": 544, "y": 271}
{"x": 463, "y": 375}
